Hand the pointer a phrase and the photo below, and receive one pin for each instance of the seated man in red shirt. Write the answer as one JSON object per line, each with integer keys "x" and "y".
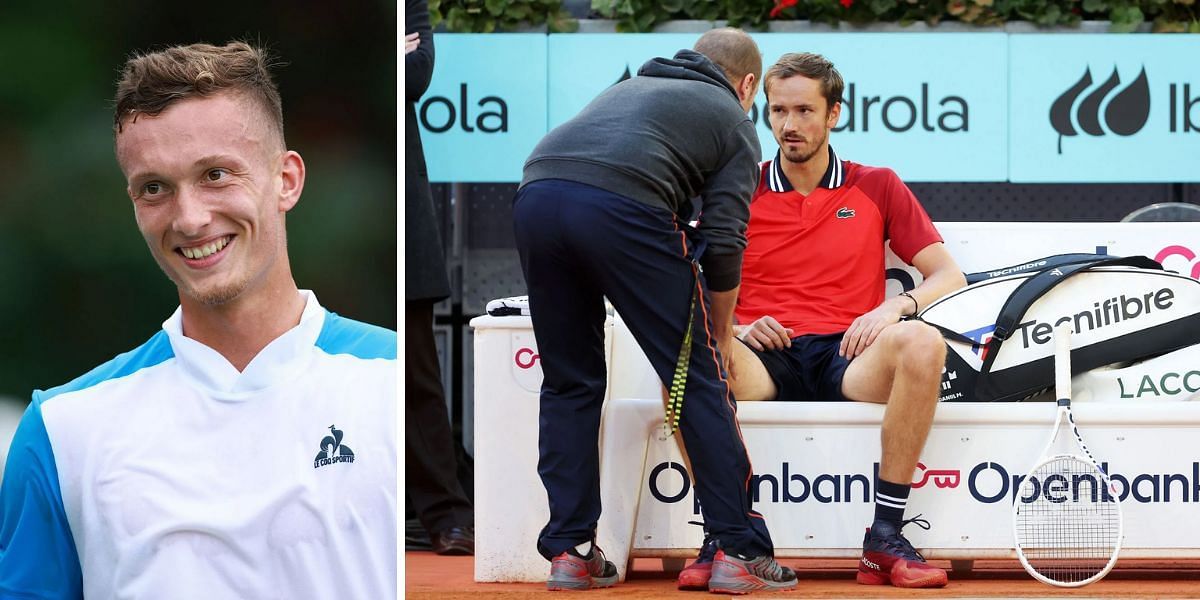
{"x": 813, "y": 317}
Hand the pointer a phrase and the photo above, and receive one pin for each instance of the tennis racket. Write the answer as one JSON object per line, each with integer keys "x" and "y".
{"x": 1067, "y": 515}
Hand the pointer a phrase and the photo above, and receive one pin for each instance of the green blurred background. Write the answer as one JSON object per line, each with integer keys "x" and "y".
{"x": 77, "y": 284}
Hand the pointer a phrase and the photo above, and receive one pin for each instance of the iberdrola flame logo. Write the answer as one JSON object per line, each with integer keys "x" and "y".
{"x": 1125, "y": 114}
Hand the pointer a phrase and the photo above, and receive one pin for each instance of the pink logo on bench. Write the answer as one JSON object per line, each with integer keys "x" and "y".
{"x": 947, "y": 478}
{"x": 526, "y": 358}
{"x": 1180, "y": 251}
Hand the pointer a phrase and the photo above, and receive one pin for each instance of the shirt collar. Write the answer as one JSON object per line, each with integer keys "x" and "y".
{"x": 835, "y": 174}
{"x": 280, "y": 360}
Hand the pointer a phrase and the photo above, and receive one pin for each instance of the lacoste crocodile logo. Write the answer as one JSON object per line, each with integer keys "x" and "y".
{"x": 845, "y": 212}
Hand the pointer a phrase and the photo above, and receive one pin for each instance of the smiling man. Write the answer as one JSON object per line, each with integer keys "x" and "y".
{"x": 247, "y": 450}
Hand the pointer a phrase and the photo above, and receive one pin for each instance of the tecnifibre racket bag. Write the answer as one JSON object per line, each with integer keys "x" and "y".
{"x": 998, "y": 329}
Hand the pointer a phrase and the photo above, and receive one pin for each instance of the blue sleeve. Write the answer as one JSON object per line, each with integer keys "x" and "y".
{"x": 37, "y": 552}
{"x": 347, "y": 336}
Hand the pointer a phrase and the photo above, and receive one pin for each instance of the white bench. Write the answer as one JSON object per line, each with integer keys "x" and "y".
{"x": 814, "y": 462}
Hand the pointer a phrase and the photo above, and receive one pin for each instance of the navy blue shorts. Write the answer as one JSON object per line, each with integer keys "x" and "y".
{"x": 810, "y": 370}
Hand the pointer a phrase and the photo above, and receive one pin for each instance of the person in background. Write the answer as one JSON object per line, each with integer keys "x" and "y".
{"x": 430, "y": 468}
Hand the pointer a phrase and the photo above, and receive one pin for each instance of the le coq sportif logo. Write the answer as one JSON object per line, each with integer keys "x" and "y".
{"x": 1125, "y": 113}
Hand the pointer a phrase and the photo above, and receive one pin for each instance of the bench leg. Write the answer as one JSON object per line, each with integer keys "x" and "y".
{"x": 673, "y": 565}
{"x": 962, "y": 566}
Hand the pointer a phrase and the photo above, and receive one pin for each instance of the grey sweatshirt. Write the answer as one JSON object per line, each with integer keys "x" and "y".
{"x": 674, "y": 132}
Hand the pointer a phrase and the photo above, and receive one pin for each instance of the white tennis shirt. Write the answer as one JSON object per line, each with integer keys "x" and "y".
{"x": 167, "y": 474}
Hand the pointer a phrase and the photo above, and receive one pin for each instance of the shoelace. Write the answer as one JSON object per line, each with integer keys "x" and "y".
{"x": 767, "y": 568}
{"x": 597, "y": 563}
{"x": 600, "y": 563}
{"x": 763, "y": 566}
{"x": 900, "y": 543}
{"x": 708, "y": 550}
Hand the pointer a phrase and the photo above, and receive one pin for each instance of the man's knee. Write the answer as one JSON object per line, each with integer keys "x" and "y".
{"x": 916, "y": 345}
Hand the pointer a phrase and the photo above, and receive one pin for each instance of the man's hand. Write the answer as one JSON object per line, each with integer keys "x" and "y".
{"x": 725, "y": 345}
{"x": 722, "y": 319}
{"x": 411, "y": 41}
{"x": 865, "y": 329}
{"x": 766, "y": 334}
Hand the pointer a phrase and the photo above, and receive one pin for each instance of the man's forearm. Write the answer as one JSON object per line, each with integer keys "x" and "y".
{"x": 723, "y": 304}
{"x": 935, "y": 286}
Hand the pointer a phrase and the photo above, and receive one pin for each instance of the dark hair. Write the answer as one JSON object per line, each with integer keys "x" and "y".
{"x": 151, "y": 82}
{"x": 734, "y": 51}
{"x": 812, "y": 66}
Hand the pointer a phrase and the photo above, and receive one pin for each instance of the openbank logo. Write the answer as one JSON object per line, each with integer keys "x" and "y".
{"x": 1124, "y": 114}
{"x": 986, "y": 482}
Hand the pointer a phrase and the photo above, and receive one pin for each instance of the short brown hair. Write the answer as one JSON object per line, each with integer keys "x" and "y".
{"x": 812, "y": 66}
{"x": 150, "y": 82}
{"x": 734, "y": 51}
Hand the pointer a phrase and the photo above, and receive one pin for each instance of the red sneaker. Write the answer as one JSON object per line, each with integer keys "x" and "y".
{"x": 569, "y": 571}
{"x": 695, "y": 576}
{"x": 888, "y": 558}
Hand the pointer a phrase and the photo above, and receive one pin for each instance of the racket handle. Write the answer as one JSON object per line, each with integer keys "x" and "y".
{"x": 1062, "y": 361}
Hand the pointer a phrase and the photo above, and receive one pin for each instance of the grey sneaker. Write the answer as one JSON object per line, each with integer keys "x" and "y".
{"x": 570, "y": 571}
{"x": 733, "y": 574}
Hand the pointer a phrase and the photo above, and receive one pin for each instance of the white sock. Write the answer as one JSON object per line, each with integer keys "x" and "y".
{"x": 584, "y": 549}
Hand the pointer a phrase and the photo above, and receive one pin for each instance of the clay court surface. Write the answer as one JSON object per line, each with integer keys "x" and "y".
{"x": 430, "y": 576}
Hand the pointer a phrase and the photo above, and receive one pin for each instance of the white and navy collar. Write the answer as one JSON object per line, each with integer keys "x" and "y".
{"x": 835, "y": 174}
{"x": 280, "y": 360}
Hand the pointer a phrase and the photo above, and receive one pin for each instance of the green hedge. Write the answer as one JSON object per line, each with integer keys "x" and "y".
{"x": 485, "y": 16}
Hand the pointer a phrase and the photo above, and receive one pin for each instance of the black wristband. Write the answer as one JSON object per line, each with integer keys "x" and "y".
{"x": 916, "y": 307}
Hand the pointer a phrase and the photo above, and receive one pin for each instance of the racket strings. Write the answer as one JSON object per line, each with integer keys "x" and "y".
{"x": 1068, "y": 524}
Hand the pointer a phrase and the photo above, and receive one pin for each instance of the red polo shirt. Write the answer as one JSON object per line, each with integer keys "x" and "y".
{"x": 816, "y": 262}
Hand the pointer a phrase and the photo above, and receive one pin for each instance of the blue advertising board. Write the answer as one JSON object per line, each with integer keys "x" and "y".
{"x": 1104, "y": 108}
{"x": 932, "y": 106}
{"x": 485, "y": 108}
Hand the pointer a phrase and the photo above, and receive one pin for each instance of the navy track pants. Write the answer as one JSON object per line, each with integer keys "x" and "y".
{"x": 578, "y": 245}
